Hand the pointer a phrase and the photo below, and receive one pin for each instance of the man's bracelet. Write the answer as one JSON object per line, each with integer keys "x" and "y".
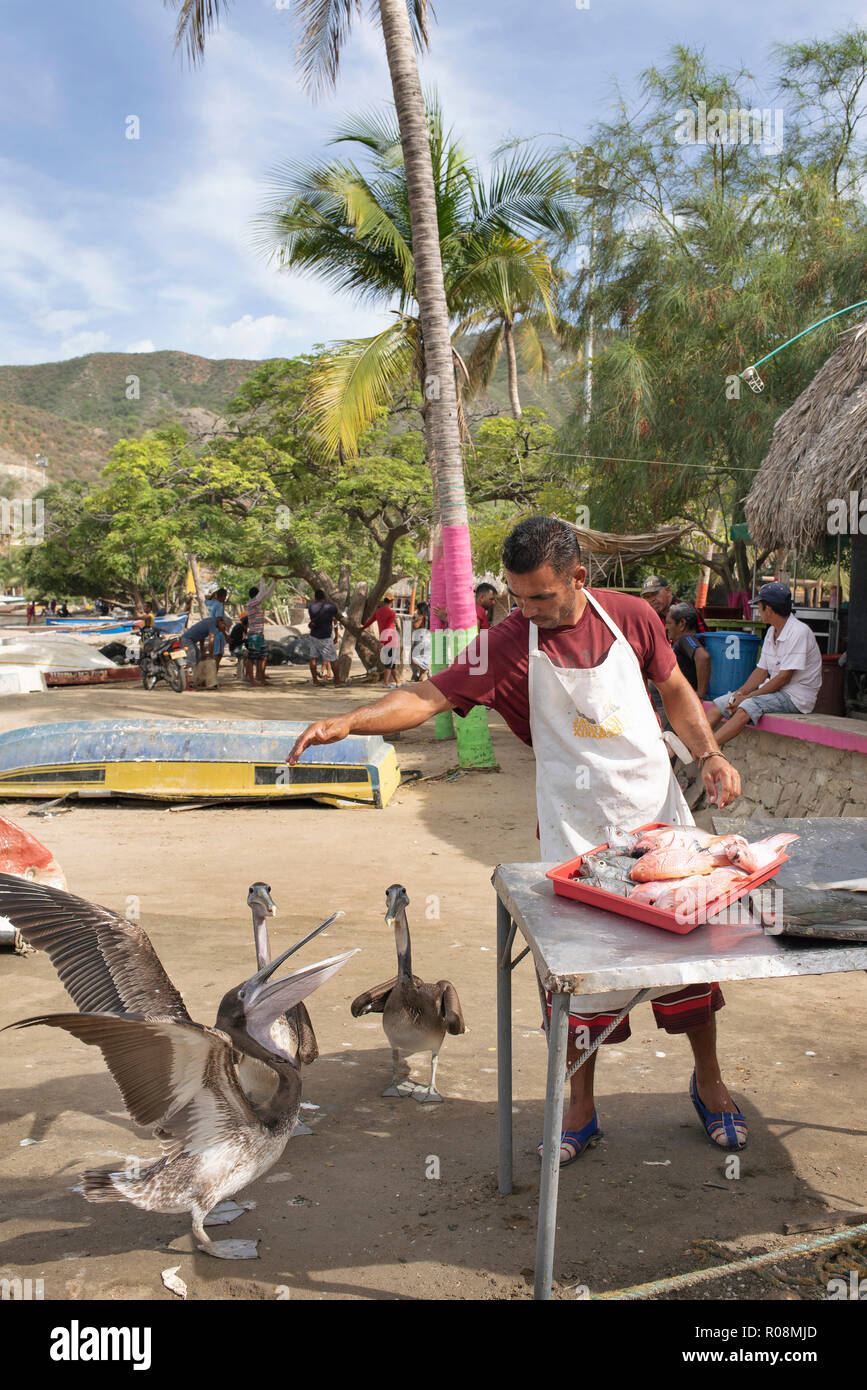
{"x": 704, "y": 757}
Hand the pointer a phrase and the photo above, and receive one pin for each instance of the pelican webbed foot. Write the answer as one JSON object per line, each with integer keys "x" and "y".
{"x": 222, "y": 1249}
{"x": 231, "y": 1249}
{"x": 401, "y": 1088}
{"x": 427, "y": 1095}
{"x": 227, "y": 1211}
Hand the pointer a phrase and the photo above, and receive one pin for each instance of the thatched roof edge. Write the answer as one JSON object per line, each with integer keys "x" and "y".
{"x": 818, "y": 453}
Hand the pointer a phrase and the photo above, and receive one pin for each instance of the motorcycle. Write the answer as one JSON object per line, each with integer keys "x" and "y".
{"x": 162, "y": 659}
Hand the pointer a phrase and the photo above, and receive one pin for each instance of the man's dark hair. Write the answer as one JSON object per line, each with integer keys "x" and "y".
{"x": 783, "y": 608}
{"x": 484, "y": 588}
{"x": 318, "y": 594}
{"x": 541, "y": 540}
{"x": 684, "y": 613}
{"x": 221, "y": 594}
{"x": 254, "y": 591}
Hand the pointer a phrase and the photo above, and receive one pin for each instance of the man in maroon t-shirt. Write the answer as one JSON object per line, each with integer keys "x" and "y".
{"x": 486, "y": 597}
{"x": 389, "y": 644}
{"x": 592, "y": 654}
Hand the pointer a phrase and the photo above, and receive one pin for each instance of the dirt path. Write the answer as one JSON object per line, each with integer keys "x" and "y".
{"x": 351, "y": 1211}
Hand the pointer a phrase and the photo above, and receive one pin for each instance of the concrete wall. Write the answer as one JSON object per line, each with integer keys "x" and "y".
{"x": 793, "y": 777}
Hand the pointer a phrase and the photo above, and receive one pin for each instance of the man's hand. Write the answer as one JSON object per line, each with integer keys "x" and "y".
{"x": 404, "y": 708}
{"x": 722, "y": 782}
{"x": 735, "y": 699}
{"x": 323, "y": 731}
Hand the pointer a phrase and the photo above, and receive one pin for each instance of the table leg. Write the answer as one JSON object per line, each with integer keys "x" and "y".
{"x": 557, "y": 1041}
{"x": 504, "y": 1048}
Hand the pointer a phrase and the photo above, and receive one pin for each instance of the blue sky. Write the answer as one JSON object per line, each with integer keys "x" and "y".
{"x": 116, "y": 244}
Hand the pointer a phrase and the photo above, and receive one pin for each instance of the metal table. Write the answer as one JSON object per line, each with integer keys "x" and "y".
{"x": 582, "y": 950}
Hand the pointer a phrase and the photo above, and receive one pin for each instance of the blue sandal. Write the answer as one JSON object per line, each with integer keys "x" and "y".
{"x": 722, "y": 1126}
{"x": 575, "y": 1141}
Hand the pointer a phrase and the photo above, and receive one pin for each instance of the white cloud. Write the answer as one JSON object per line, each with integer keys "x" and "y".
{"x": 60, "y": 320}
{"x": 266, "y": 336}
{"x": 144, "y": 346}
{"x": 80, "y": 344}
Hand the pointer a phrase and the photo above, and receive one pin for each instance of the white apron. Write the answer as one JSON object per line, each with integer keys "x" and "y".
{"x": 600, "y": 760}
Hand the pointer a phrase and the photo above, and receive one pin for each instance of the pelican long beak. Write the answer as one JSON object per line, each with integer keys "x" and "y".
{"x": 256, "y": 982}
{"x": 268, "y": 1002}
{"x": 396, "y": 902}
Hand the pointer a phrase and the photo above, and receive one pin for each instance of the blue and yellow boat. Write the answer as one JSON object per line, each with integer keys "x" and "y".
{"x": 192, "y": 760}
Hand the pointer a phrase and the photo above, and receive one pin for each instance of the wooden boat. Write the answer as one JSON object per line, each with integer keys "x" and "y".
{"x": 103, "y": 676}
{"x": 193, "y": 760}
{"x": 173, "y": 623}
{"x": 63, "y": 658}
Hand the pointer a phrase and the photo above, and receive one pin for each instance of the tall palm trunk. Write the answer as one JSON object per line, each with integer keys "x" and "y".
{"x": 474, "y": 742}
{"x": 444, "y": 723}
{"x": 512, "y": 360}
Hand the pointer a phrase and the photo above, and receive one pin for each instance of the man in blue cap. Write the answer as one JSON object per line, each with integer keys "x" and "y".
{"x": 788, "y": 676}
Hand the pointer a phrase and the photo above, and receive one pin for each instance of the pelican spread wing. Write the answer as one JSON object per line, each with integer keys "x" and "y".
{"x": 173, "y": 1075}
{"x": 106, "y": 962}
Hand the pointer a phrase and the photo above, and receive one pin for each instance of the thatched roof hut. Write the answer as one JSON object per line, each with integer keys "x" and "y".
{"x": 818, "y": 453}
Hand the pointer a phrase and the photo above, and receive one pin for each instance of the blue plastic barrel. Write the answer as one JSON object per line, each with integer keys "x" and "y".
{"x": 733, "y": 657}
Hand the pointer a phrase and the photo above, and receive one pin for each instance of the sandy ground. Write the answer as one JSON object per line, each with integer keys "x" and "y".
{"x": 388, "y": 1199}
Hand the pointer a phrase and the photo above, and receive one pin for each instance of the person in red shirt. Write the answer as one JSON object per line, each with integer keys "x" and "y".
{"x": 389, "y": 642}
{"x": 568, "y": 670}
{"x": 486, "y": 596}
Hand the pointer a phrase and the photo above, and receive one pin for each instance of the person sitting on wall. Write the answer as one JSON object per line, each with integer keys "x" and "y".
{"x": 789, "y": 674}
{"x": 681, "y": 626}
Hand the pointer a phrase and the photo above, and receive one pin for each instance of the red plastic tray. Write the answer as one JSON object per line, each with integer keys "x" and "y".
{"x": 568, "y": 885}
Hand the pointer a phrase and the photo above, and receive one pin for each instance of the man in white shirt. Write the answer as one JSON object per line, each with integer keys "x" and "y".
{"x": 789, "y": 674}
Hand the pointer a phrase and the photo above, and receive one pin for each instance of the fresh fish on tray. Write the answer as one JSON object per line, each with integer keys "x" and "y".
{"x": 673, "y": 837}
{"x": 680, "y": 869}
{"x": 621, "y": 841}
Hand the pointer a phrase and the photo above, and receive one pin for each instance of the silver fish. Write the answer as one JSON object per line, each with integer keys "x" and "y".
{"x": 622, "y": 841}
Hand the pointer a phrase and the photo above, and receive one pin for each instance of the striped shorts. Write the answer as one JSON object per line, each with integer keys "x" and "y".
{"x": 678, "y": 1012}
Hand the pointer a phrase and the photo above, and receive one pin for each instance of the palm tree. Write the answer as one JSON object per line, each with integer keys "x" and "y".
{"x": 325, "y": 27}
{"x": 350, "y": 226}
{"x": 512, "y": 287}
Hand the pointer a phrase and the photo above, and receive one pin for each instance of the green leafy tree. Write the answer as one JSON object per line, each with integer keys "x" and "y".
{"x": 705, "y": 256}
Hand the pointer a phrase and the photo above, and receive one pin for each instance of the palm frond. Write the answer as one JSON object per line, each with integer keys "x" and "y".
{"x": 503, "y": 273}
{"x": 196, "y": 19}
{"x": 529, "y": 194}
{"x": 483, "y": 359}
{"x": 330, "y": 220}
{"x": 530, "y": 347}
{"x": 358, "y": 378}
{"x": 325, "y": 27}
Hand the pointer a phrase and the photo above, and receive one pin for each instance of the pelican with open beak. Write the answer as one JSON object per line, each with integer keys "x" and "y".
{"x": 184, "y": 1079}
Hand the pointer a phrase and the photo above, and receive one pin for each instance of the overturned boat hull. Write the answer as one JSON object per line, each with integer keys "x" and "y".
{"x": 192, "y": 760}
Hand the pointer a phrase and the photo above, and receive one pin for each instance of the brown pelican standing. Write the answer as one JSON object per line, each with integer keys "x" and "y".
{"x": 300, "y": 1038}
{"x": 222, "y": 1100}
{"x": 415, "y": 1016}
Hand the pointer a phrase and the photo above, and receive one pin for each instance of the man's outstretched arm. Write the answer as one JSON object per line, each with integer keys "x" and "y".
{"x": 403, "y": 709}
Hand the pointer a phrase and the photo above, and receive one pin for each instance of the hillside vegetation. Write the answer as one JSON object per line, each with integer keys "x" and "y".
{"x": 75, "y": 411}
